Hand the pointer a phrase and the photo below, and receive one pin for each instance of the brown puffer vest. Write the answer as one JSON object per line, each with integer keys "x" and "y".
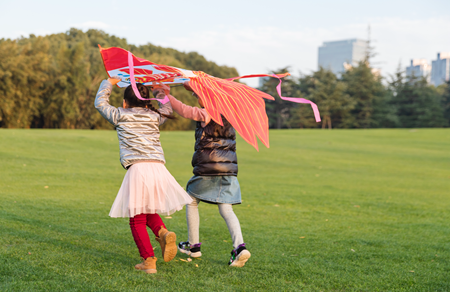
{"x": 215, "y": 150}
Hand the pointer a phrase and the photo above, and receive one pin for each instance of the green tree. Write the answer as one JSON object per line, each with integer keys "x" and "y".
{"x": 21, "y": 77}
{"x": 51, "y": 81}
{"x": 279, "y": 110}
{"x": 329, "y": 94}
{"x": 417, "y": 103}
{"x": 364, "y": 87}
{"x": 446, "y": 102}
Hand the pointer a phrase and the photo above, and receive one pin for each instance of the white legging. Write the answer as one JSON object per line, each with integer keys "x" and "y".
{"x": 225, "y": 210}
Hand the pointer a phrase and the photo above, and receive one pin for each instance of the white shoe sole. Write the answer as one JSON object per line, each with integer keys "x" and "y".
{"x": 241, "y": 259}
{"x": 184, "y": 251}
{"x": 189, "y": 253}
{"x": 196, "y": 254}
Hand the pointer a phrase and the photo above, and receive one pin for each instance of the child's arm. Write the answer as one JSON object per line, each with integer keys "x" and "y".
{"x": 189, "y": 112}
{"x": 166, "y": 109}
{"x": 109, "y": 112}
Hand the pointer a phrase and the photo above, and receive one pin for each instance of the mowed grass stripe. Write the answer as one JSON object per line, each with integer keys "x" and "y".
{"x": 340, "y": 210}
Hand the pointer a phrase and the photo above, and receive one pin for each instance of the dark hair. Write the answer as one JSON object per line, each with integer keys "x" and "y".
{"x": 133, "y": 101}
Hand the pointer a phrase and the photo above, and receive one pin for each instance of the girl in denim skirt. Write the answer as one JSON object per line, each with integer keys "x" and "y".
{"x": 215, "y": 179}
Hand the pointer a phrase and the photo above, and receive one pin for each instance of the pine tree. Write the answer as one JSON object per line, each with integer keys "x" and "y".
{"x": 364, "y": 87}
{"x": 417, "y": 103}
{"x": 324, "y": 89}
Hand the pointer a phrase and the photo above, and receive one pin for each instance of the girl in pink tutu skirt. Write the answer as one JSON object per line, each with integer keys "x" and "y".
{"x": 148, "y": 189}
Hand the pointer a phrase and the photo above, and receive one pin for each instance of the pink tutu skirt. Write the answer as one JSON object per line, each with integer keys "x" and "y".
{"x": 149, "y": 188}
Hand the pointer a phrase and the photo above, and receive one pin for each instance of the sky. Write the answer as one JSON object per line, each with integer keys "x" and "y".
{"x": 252, "y": 36}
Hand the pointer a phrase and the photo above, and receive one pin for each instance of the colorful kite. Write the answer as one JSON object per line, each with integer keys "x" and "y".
{"x": 242, "y": 105}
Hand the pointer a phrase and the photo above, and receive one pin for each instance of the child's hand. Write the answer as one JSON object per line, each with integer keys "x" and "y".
{"x": 187, "y": 86}
{"x": 160, "y": 89}
{"x": 114, "y": 80}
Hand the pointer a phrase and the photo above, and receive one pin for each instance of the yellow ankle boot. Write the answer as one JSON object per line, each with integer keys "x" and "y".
{"x": 167, "y": 240}
{"x": 148, "y": 265}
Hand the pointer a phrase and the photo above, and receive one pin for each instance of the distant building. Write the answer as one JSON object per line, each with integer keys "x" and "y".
{"x": 440, "y": 71}
{"x": 419, "y": 68}
{"x": 338, "y": 55}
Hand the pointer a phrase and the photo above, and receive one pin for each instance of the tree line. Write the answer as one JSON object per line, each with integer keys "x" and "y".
{"x": 359, "y": 98}
{"x": 51, "y": 82}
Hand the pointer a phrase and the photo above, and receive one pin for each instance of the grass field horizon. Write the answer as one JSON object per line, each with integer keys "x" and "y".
{"x": 339, "y": 210}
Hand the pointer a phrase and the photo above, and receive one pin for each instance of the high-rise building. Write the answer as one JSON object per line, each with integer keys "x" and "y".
{"x": 419, "y": 68}
{"x": 440, "y": 69}
{"x": 337, "y": 54}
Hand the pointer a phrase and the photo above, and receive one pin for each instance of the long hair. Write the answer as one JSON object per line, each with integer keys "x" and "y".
{"x": 133, "y": 101}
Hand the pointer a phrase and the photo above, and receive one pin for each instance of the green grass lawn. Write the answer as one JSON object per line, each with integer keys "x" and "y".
{"x": 340, "y": 210}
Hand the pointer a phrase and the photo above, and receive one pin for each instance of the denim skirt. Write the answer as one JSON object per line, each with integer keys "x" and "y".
{"x": 215, "y": 189}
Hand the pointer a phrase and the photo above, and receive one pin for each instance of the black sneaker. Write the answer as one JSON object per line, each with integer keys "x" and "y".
{"x": 191, "y": 250}
{"x": 239, "y": 256}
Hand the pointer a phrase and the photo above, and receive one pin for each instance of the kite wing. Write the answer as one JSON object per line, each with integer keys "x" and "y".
{"x": 242, "y": 105}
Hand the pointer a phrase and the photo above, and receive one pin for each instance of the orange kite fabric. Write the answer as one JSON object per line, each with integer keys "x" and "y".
{"x": 242, "y": 105}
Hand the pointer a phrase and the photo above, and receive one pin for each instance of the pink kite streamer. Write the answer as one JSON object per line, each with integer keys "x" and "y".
{"x": 299, "y": 100}
{"x": 293, "y": 99}
{"x": 164, "y": 100}
{"x": 133, "y": 82}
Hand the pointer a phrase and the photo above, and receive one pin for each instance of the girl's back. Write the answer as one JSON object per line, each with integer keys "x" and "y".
{"x": 148, "y": 188}
{"x": 137, "y": 126}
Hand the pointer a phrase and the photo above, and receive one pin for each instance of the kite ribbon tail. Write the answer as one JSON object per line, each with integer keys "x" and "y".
{"x": 259, "y": 75}
{"x": 298, "y": 100}
{"x": 133, "y": 82}
{"x": 293, "y": 99}
{"x": 164, "y": 100}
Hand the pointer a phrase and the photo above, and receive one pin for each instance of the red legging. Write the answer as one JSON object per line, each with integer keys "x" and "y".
{"x": 138, "y": 225}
